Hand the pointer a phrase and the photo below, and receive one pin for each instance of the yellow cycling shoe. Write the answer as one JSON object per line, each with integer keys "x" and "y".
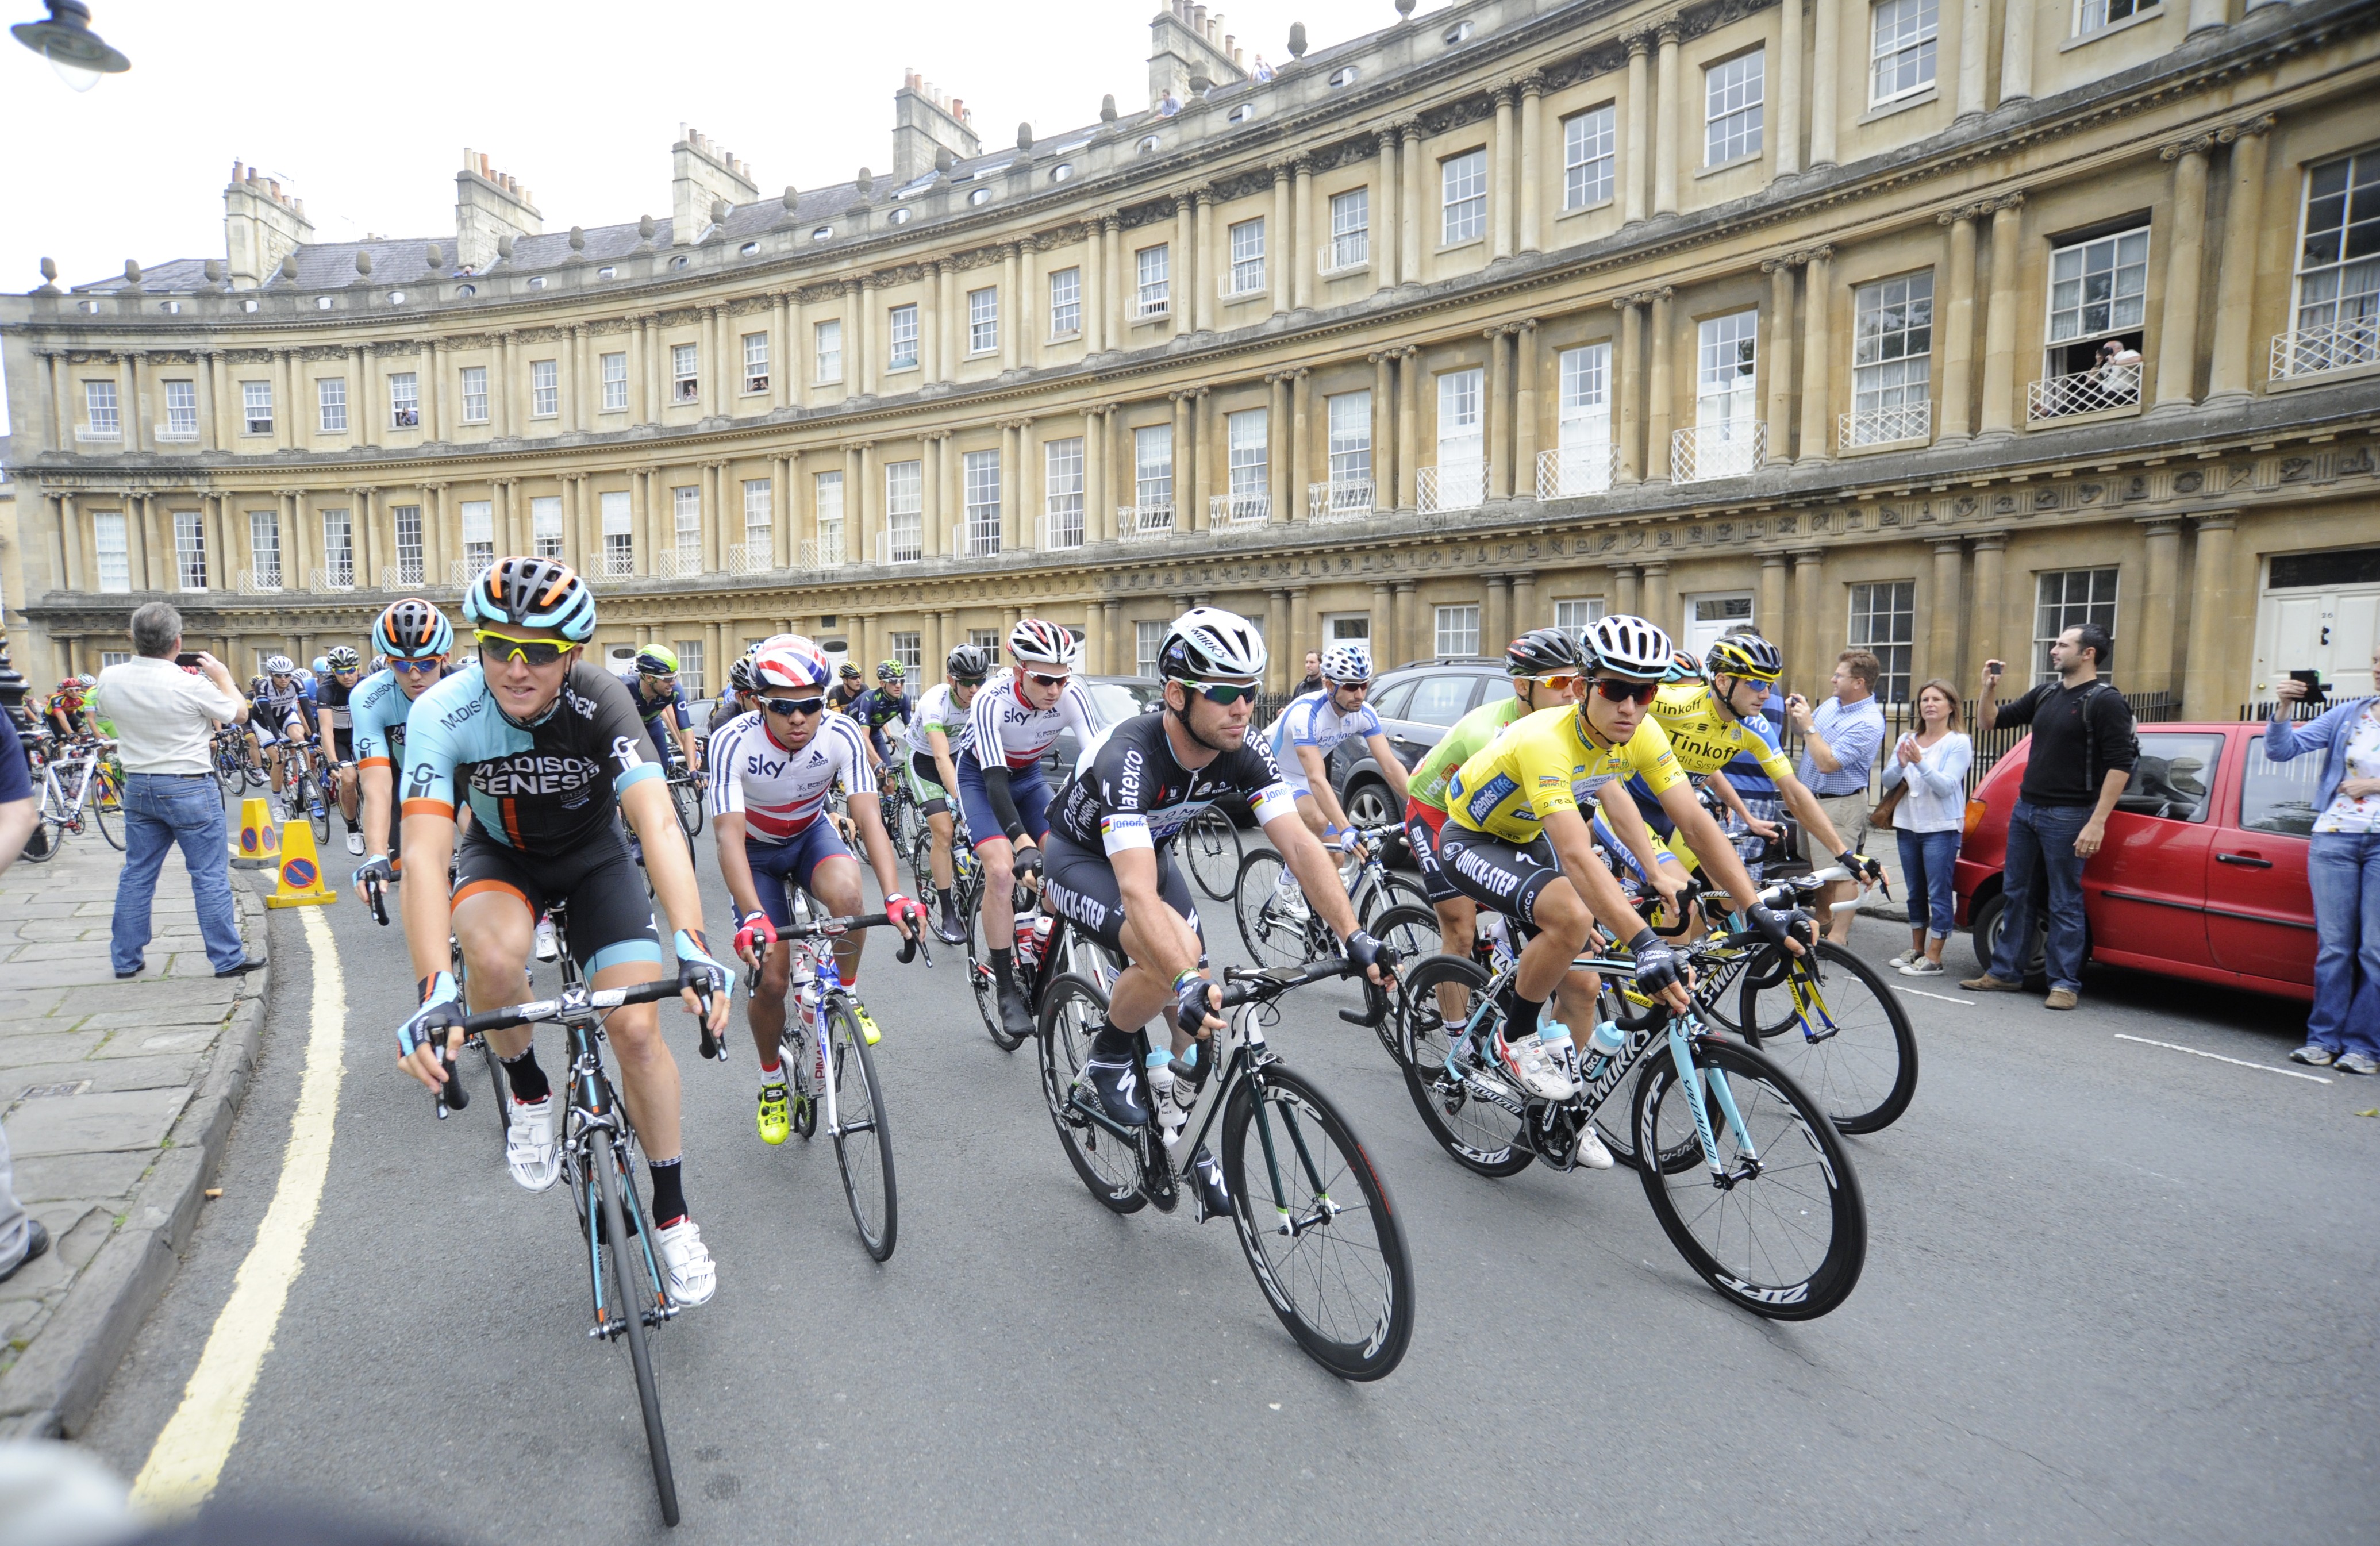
{"x": 776, "y": 1117}
{"x": 866, "y": 1023}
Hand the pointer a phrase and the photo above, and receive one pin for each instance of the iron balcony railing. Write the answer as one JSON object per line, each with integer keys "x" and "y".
{"x": 2096, "y": 390}
{"x": 1140, "y": 522}
{"x": 1349, "y": 499}
{"x": 1588, "y": 468}
{"x": 1458, "y": 486}
{"x": 1239, "y": 509}
{"x": 2309, "y": 351}
{"x": 1882, "y": 426}
{"x": 1702, "y": 452}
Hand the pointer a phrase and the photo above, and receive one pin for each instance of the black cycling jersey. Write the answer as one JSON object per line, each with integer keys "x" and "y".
{"x": 541, "y": 788}
{"x": 1130, "y": 792}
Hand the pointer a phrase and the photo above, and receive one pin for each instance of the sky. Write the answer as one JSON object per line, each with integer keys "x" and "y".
{"x": 364, "y": 110}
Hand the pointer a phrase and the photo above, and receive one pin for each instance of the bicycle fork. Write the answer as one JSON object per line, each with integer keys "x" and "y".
{"x": 1681, "y": 1054}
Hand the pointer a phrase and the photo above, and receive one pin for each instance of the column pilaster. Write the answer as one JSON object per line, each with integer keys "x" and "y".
{"x": 2016, "y": 53}
{"x": 2152, "y": 664}
{"x": 1410, "y": 376}
{"x": 1942, "y": 632}
{"x": 2205, "y": 671}
{"x": 1533, "y": 90}
{"x": 1409, "y": 159}
{"x": 1826, "y": 68}
{"x": 1292, "y": 184}
{"x": 1206, "y": 272}
{"x": 1628, "y": 424}
{"x": 1524, "y": 408}
{"x": 1385, "y": 221}
{"x": 1817, "y": 395}
{"x": 1501, "y": 202}
{"x": 1183, "y": 277}
{"x": 1664, "y": 128}
{"x": 1957, "y": 423}
{"x": 2000, "y": 318}
{"x": 2176, "y": 344}
{"x": 2229, "y": 372}
{"x": 1787, "y": 74}
{"x": 1660, "y": 393}
{"x": 1778, "y": 352}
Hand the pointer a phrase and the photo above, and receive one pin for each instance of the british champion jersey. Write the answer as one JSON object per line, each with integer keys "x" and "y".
{"x": 1002, "y": 724}
{"x": 780, "y": 793}
{"x": 1312, "y": 721}
{"x": 938, "y": 709}
{"x": 1129, "y": 791}
{"x": 541, "y": 788}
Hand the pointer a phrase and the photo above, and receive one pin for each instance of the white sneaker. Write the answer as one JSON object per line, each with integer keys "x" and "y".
{"x": 1922, "y": 966}
{"x": 687, "y": 1268}
{"x": 1591, "y": 1152}
{"x": 1534, "y": 1068}
{"x": 529, "y": 1150}
{"x": 356, "y": 844}
{"x": 1901, "y": 962}
{"x": 547, "y": 949}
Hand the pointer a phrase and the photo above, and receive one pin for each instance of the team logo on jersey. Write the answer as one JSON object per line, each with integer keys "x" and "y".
{"x": 422, "y": 778}
{"x": 625, "y": 752}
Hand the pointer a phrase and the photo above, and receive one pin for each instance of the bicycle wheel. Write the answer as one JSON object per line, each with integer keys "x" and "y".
{"x": 1411, "y": 932}
{"x": 1275, "y": 922}
{"x": 1325, "y": 1243}
{"x": 1392, "y": 892}
{"x": 987, "y": 995}
{"x": 862, "y": 1135}
{"x": 794, "y": 1056}
{"x": 41, "y": 842}
{"x": 1785, "y": 1238}
{"x": 1833, "y": 1023}
{"x": 1071, "y": 1012}
{"x": 325, "y": 797}
{"x": 687, "y": 797}
{"x": 1210, "y": 850}
{"x": 107, "y": 808}
{"x": 628, "y": 1305}
{"x": 1440, "y": 995}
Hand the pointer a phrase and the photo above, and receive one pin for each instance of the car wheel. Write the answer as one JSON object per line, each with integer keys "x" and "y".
{"x": 1984, "y": 934}
{"x": 1368, "y": 806}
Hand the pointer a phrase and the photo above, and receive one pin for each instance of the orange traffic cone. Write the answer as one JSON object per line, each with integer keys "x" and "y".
{"x": 259, "y": 837}
{"x": 301, "y": 872}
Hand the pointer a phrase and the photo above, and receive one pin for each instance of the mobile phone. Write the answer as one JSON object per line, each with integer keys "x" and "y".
{"x": 2315, "y": 691}
{"x": 186, "y": 658}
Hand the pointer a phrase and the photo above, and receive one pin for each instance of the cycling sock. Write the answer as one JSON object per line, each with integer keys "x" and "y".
{"x": 529, "y": 1081}
{"x": 773, "y": 1074}
{"x": 1110, "y": 1045}
{"x": 1004, "y": 964}
{"x": 669, "y": 1191}
{"x": 1521, "y": 1015}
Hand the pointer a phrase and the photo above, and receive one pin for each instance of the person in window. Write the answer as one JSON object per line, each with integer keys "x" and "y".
{"x": 2119, "y": 372}
{"x": 2343, "y": 870}
{"x": 1933, "y": 762}
{"x": 1168, "y": 104}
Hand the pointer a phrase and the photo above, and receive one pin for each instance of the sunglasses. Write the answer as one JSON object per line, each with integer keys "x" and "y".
{"x": 535, "y": 652}
{"x": 1352, "y": 687}
{"x": 1621, "y": 692}
{"x": 1225, "y": 693}
{"x": 411, "y": 667}
{"x": 1047, "y": 681}
{"x": 1561, "y": 682}
{"x": 786, "y": 707}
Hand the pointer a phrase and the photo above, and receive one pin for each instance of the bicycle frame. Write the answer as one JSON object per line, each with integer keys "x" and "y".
{"x": 68, "y": 812}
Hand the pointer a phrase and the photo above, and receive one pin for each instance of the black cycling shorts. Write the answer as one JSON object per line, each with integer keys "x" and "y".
{"x": 611, "y": 920}
{"x": 1081, "y": 886}
{"x": 343, "y": 745}
{"x": 1508, "y": 877}
{"x": 1422, "y": 836}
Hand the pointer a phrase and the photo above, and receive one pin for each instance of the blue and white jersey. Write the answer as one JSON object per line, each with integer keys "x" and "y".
{"x": 542, "y": 788}
{"x": 1002, "y": 724}
{"x": 781, "y": 793}
{"x": 1312, "y": 721}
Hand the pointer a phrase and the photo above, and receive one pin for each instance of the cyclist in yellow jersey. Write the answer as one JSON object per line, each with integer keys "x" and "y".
{"x": 1515, "y": 840}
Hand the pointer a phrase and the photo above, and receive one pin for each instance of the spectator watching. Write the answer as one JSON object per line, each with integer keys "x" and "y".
{"x": 2343, "y": 869}
{"x": 1840, "y": 738}
{"x": 1931, "y": 762}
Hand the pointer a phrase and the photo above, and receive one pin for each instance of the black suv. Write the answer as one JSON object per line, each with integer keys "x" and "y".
{"x": 1417, "y": 703}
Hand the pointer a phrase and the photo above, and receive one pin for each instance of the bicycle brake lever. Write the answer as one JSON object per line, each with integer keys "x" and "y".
{"x": 452, "y": 1096}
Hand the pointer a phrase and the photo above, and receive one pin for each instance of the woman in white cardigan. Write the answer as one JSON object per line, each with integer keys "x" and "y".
{"x": 1933, "y": 762}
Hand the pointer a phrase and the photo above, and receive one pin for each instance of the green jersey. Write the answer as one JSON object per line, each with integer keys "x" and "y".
{"x": 1428, "y": 782}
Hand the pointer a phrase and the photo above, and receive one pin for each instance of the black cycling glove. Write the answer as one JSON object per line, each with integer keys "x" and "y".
{"x": 1191, "y": 1004}
{"x": 1366, "y": 952}
{"x": 1658, "y": 966}
{"x": 1770, "y": 925}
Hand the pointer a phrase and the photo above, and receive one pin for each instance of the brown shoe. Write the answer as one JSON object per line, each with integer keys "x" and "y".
{"x": 2060, "y": 998}
{"x": 1987, "y": 983}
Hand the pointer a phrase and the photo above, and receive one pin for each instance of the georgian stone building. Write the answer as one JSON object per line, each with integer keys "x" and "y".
{"x": 1932, "y": 326}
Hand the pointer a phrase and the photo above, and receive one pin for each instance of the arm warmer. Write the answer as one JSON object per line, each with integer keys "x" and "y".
{"x": 1004, "y": 804}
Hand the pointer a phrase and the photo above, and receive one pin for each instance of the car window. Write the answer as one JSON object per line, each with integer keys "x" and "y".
{"x": 1439, "y": 699}
{"x": 1115, "y": 701}
{"x": 2175, "y": 776}
{"x": 1390, "y": 703}
{"x": 2278, "y": 797}
{"x": 1498, "y": 690}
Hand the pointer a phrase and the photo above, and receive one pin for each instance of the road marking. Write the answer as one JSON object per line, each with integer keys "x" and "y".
{"x": 1940, "y": 998}
{"x": 2241, "y": 1063}
{"x": 188, "y": 1457}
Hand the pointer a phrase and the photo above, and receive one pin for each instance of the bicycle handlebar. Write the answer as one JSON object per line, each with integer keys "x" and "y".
{"x": 538, "y": 1011}
{"x": 1244, "y": 985}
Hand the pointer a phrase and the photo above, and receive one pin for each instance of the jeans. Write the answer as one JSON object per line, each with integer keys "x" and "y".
{"x": 159, "y": 810}
{"x": 1926, "y": 871}
{"x": 2343, "y": 870}
{"x": 2042, "y": 837}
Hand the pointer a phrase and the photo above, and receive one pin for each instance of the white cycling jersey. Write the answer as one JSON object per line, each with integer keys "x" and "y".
{"x": 938, "y": 708}
{"x": 1312, "y": 721}
{"x": 1001, "y": 721}
{"x": 781, "y": 793}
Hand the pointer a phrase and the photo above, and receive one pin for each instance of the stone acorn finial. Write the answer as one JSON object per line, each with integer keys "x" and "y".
{"x": 214, "y": 268}
{"x": 131, "y": 273}
{"x": 1297, "y": 39}
{"x": 1405, "y": 8}
{"x": 289, "y": 265}
{"x": 867, "y": 181}
{"x": 791, "y": 198}
{"x": 504, "y": 247}
{"x": 1025, "y": 137}
{"x": 644, "y": 227}
{"x": 1200, "y": 83}
{"x": 1107, "y": 108}
{"x": 578, "y": 238}
{"x": 49, "y": 278}
{"x": 436, "y": 258}
{"x": 363, "y": 262}
{"x": 945, "y": 159}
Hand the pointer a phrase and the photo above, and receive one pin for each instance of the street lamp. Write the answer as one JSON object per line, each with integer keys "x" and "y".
{"x": 78, "y": 54}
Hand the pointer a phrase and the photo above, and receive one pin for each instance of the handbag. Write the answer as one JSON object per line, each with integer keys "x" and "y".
{"x": 1880, "y": 819}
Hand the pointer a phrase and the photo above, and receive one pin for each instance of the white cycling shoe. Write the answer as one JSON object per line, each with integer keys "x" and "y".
{"x": 530, "y": 1153}
{"x": 1591, "y": 1152}
{"x": 1537, "y": 1070}
{"x": 686, "y": 1269}
{"x": 547, "y": 946}
{"x": 355, "y": 843}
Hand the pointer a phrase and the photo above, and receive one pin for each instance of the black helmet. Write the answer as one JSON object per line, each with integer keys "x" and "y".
{"x": 739, "y": 675}
{"x": 1542, "y": 653}
{"x": 1747, "y": 655}
{"x": 970, "y": 663}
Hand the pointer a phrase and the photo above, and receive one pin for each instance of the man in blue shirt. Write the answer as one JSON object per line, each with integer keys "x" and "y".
{"x": 22, "y": 1237}
{"x": 1840, "y": 738}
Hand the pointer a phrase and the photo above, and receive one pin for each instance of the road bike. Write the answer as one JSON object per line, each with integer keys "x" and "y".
{"x": 1325, "y": 1243}
{"x": 78, "y": 780}
{"x": 234, "y": 758}
{"x": 686, "y": 794}
{"x": 598, "y": 1163}
{"x": 903, "y": 822}
{"x": 1751, "y": 1182}
{"x": 823, "y": 1050}
{"x": 304, "y": 783}
{"x": 1208, "y": 847}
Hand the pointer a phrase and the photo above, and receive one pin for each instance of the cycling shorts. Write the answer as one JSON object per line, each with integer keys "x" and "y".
{"x": 1496, "y": 872}
{"x": 611, "y": 921}
{"x": 1028, "y": 787}
{"x": 343, "y": 744}
{"x": 1422, "y": 825}
{"x": 925, "y": 785}
{"x": 1625, "y": 864}
{"x": 778, "y": 868}
{"x": 1081, "y": 886}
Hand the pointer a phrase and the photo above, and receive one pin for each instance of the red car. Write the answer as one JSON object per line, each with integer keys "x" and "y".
{"x": 2203, "y": 871}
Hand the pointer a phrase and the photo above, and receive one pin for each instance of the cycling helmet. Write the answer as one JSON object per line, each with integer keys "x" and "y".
{"x": 1629, "y": 647}
{"x": 279, "y": 665}
{"x": 532, "y": 593}
{"x": 656, "y": 660}
{"x": 1747, "y": 655}
{"x": 890, "y": 671}
{"x": 1347, "y": 663}
{"x": 849, "y": 670}
{"x": 413, "y": 629}
{"x": 1034, "y": 641}
{"x": 343, "y": 658}
{"x": 1209, "y": 644}
{"x": 1683, "y": 668}
{"x": 321, "y": 663}
{"x": 970, "y": 663}
{"x": 1542, "y": 653}
{"x": 739, "y": 675}
{"x": 791, "y": 668}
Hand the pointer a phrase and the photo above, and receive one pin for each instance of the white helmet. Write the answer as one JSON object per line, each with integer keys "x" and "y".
{"x": 1350, "y": 662}
{"x": 279, "y": 665}
{"x": 1037, "y": 642}
{"x": 1629, "y": 647}
{"x": 1209, "y": 644}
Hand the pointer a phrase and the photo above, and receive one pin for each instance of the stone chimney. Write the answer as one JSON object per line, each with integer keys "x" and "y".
{"x": 703, "y": 174}
{"x": 260, "y": 227}
{"x": 1185, "y": 41}
{"x": 926, "y": 121}
{"x": 488, "y": 206}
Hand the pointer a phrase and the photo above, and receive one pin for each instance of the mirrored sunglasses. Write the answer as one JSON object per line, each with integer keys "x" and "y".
{"x": 786, "y": 707}
{"x": 498, "y": 647}
{"x": 1225, "y": 693}
{"x": 1620, "y": 690}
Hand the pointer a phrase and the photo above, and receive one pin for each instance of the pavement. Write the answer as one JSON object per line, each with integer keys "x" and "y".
{"x": 118, "y": 1100}
{"x": 2117, "y": 1288}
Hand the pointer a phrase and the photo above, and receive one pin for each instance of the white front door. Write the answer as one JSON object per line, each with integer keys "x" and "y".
{"x": 1710, "y": 616}
{"x": 2329, "y": 628}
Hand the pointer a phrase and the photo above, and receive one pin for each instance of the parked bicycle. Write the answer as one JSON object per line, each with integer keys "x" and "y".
{"x": 80, "y": 786}
{"x": 1313, "y": 1218}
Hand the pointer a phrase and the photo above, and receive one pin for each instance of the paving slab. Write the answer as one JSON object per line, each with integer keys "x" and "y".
{"x": 52, "y": 1046}
{"x": 103, "y": 1075}
{"x": 95, "y": 1124}
{"x": 69, "y": 1175}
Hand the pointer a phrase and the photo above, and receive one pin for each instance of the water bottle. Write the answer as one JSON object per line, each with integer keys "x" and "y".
{"x": 1164, "y": 1090}
{"x": 1604, "y": 1041}
{"x": 1042, "y": 924}
{"x": 1028, "y": 943}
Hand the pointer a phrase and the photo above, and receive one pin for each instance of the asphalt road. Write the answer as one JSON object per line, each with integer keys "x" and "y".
{"x": 2114, "y": 1291}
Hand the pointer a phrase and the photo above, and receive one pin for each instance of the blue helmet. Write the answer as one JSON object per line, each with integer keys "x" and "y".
{"x": 532, "y": 593}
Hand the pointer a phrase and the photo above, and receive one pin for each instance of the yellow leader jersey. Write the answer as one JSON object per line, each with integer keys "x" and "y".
{"x": 1545, "y": 763}
{"x": 1706, "y": 738}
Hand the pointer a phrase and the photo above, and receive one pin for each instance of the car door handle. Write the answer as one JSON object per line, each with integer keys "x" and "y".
{"x": 2250, "y": 861}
